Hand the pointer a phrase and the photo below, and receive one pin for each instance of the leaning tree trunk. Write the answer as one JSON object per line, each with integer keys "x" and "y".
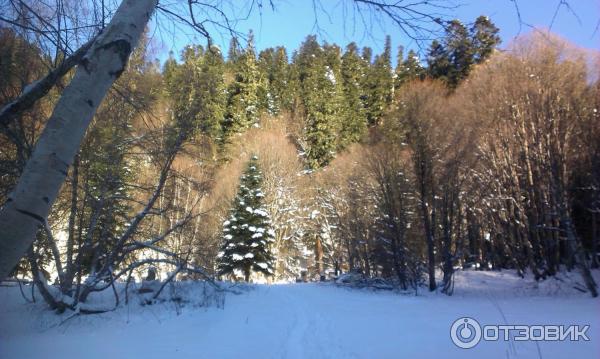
{"x": 45, "y": 172}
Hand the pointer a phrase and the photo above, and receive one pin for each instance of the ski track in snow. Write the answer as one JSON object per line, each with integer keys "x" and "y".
{"x": 307, "y": 321}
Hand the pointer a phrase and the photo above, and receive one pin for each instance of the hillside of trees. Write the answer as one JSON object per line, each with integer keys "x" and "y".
{"x": 393, "y": 165}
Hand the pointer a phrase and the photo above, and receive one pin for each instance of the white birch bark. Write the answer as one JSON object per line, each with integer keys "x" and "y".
{"x": 31, "y": 200}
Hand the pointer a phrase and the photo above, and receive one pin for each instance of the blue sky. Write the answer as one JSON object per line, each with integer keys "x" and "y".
{"x": 293, "y": 20}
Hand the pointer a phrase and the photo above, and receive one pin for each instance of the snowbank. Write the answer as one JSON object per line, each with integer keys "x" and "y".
{"x": 308, "y": 321}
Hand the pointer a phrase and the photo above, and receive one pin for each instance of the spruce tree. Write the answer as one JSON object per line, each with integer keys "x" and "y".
{"x": 279, "y": 84}
{"x": 235, "y": 52}
{"x": 319, "y": 96}
{"x": 380, "y": 84}
{"x": 409, "y": 69}
{"x": 247, "y": 234}
{"x": 354, "y": 122}
{"x": 399, "y": 67}
{"x": 366, "y": 80}
{"x": 196, "y": 90}
{"x": 293, "y": 99}
{"x": 460, "y": 52}
{"x": 107, "y": 175}
{"x": 387, "y": 81}
{"x": 451, "y": 60}
{"x": 264, "y": 63}
{"x": 485, "y": 38}
{"x": 367, "y": 55}
{"x": 273, "y": 66}
{"x": 211, "y": 92}
{"x": 438, "y": 62}
{"x": 333, "y": 89}
{"x": 242, "y": 103}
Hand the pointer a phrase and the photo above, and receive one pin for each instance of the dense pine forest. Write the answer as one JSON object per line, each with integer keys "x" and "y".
{"x": 301, "y": 164}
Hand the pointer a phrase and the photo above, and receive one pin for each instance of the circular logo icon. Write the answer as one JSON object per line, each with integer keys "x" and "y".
{"x": 465, "y": 333}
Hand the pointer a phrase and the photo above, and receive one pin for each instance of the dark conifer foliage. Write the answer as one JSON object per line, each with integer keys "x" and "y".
{"x": 243, "y": 92}
{"x": 438, "y": 62}
{"x": 408, "y": 69}
{"x": 319, "y": 96}
{"x": 247, "y": 233}
{"x": 452, "y": 58}
{"x": 485, "y": 38}
{"x": 459, "y": 49}
{"x": 354, "y": 121}
{"x": 379, "y": 84}
{"x": 273, "y": 65}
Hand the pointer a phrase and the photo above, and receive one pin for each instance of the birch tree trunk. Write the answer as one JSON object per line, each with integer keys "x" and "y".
{"x": 31, "y": 200}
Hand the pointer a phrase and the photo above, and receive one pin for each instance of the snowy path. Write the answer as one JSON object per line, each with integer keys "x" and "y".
{"x": 299, "y": 321}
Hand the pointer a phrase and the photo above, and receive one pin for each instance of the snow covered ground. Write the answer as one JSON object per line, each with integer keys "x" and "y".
{"x": 310, "y": 321}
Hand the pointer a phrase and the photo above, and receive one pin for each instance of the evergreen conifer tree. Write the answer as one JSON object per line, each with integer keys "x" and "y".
{"x": 242, "y": 103}
{"x": 399, "y": 67}
{"x": 319, "y": 97}
{"x": 409, "y": 69}
{"x": 334, "y": 90}
{"x": 279, "y": 81}
{"x": 196, "y": 89}
{"x": 438, "y": 62}
{"x": 485, "y": 38}
{"x": 211, "y": 92}
{"x": 273, "y": 66}
{"x": 265, "y": 63}
{"x": 107, "y": 174}
{"x": 380, "y": 84}
{"x": 451, "y": 60}
{"x": 247, "y": 233}
{"x": 354, "y": 122}
{"x": 293, "y": 99}
{"x": 459, "y": 48}
{"x": 235, "y": 52}
{"x": 387, "y": 80}
{"x": 367, "y": 55}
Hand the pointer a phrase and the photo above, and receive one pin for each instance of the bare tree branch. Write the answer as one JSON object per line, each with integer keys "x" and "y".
{"x": 35, "y": 91}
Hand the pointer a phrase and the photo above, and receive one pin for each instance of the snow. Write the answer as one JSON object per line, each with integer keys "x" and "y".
{"x": 261, "y": 212}
{"x": 317, "y": 320}
{"x": 330, "y": 75}
{"x": 237, "y": 257}
{"x": 249, "y": 255}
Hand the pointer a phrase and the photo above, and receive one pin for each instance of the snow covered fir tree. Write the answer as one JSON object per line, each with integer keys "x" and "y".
{"x": 247, "y": 234}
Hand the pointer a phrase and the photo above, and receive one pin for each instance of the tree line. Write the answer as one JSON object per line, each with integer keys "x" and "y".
{"x": 472, "y": 157}
{"x": 498, "y": 172}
